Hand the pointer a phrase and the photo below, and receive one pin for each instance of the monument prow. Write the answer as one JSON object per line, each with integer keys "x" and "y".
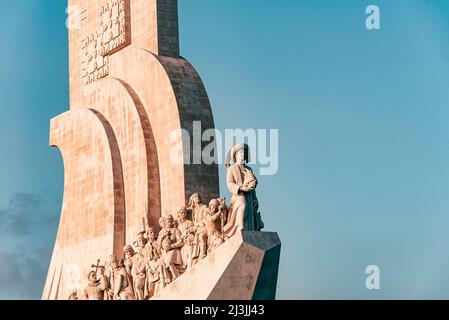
{"x": 243, "y": 268}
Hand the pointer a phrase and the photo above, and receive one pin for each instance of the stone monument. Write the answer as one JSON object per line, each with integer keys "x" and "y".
{"x": 120, "y": 234}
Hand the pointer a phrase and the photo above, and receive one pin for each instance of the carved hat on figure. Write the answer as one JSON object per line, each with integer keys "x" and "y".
{"x": 232, "y": 154}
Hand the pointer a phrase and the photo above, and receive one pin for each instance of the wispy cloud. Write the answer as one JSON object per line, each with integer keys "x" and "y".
{"x": 27, "y": 235}
{"x": 21, "y": 276}
{"x": 25, "y": 214}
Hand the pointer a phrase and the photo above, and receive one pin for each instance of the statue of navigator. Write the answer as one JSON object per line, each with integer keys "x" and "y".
{"x": 244, "y": 208}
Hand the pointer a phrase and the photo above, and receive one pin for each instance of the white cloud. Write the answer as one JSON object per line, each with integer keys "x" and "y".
{"x": 28, "y": 231}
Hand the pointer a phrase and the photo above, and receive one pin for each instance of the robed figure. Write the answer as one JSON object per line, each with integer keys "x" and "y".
{"x": 244, "y": 212}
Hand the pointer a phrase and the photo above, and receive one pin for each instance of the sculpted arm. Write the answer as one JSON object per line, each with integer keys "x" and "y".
{"x": 233, "y": 187}
{"x": 104, "y": 285}
{"x": 179, "y": 242}
{"x": 216, "y": 216}
{"x": 253, "y": 183}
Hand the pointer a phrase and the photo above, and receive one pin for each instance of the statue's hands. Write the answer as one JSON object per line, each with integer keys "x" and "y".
{"x": 112, "y": 294}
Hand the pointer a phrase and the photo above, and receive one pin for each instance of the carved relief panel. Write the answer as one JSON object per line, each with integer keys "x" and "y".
{"x": 113, "y": 34}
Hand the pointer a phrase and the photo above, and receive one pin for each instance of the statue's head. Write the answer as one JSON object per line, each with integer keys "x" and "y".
{"x": 128, "y": 251}
{"x": 92, "y": 276}
{"x": 183, "y": 213}
{"x": 238, "y": 154}
{"x": 151, "y": 234}
{"x": 241, "y": 153}
{"x": 113, "y": 261}
{"x": 169, "y": 221}
{"x": 214, "y": 205}
{"x": 195, "y": 199}
{"x": 141, "y": 241}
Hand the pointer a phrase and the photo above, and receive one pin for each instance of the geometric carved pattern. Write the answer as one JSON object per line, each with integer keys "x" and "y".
{"x": 113, "y": 34}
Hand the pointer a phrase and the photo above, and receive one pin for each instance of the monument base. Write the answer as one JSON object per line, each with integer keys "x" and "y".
{"x": 244, "y": 268}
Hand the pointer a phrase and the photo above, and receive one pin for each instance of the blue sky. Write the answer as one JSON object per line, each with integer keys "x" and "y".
{"x": 362, "y": 117}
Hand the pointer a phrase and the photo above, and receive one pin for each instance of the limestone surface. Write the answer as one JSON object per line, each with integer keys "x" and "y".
{"x": 244, "y": 268}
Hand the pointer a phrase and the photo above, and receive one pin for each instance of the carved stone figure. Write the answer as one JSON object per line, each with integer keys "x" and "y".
{"x": 128, "y": 253}
{"x": 213, "y": 221}
{"x": 96, "y": 287}
{"x": 151, "y": 252}
{"x": 188, "y": 248}
{"x": 152, "y": 255}
{"x": 140, "y": 242}
{"x": 224, "y": 208}
{"x": 169, "y": 231}
{"x": 183, "y": 221}
{"x": 168, "y": 270}
{"x": 138, "y": 273}
{"x": 244, "y": 208}
{"x": 198, "y": 210}
{"x": 121, "y": 282}
{"x": 135, "y": 266}
{"x": 185, "y": 226}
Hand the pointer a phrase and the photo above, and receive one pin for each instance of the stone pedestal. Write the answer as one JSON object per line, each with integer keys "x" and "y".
{"x": 243, "y": 268}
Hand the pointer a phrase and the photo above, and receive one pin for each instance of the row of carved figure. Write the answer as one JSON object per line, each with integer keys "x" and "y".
{"x": 157, "y": 259}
